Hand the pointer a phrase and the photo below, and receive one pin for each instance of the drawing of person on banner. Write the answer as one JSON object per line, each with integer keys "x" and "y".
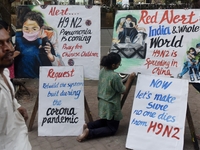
{"x": 119, "y": 2}
{"x": 197, "y": 58}
{"x": 131, "y": 37}
{"x": 128, "y": 27}
{"x": 190, "y": 65}
{"x": 38, "y": 46}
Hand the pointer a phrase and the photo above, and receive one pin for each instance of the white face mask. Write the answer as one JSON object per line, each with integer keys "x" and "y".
{"x": 128, "y": 22}
{"x": 31, "y": 36}
{"x": 198, "y": 50}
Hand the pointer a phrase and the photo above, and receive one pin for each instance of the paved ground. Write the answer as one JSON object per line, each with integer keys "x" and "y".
{"x": 116, "y": 142}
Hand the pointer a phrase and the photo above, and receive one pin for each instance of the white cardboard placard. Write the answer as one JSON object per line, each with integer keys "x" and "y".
{"x": 61, "y": 101}
{"x": 158, "y": 114}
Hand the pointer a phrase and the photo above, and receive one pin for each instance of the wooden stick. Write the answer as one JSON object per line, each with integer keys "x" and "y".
{"x": 125, "y": 95}
{"x": 192, "y": 129}
{"x": 88, "y": 112}
{"x": 35, "y": 109}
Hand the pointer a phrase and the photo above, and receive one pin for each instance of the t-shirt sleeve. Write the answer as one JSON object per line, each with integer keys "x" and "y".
{"x": 117, "y": 84}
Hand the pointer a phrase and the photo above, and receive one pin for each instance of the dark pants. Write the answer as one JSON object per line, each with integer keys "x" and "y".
{"x": 196, "y": 86}
{"x": 102, "y": 128}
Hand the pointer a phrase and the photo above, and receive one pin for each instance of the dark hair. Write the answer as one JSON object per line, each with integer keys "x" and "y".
{"x": 1, "y": 27}
{"x": 21, "y": 13}
{"x": 110, "y": 59}
{"x": 35, "y": 16}
{"x": 4, "y": 24}
{"x": 198, "y": 45}
{"x": 133, "y": 19}
{"x": 193, "y": 49}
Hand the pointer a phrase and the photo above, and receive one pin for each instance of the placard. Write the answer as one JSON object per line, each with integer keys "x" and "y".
{"x": 61, "y": 101}
{"x": 158, "y": 42}
{"x": 73, "y": 32}
{"x": 158, "y": 114}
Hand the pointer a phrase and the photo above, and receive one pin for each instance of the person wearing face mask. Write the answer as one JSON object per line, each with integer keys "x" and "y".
{"x": 127, "y": 27}
{"x": 190, "y": 65}
{"x": 37, "y": 45}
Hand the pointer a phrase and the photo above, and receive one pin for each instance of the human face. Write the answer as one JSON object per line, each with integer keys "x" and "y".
{"x": 115, "y": 66}
{"x": 128, "y": 20}
{"x": 6, "y": 50}
{"x": 198, "y": 49}
{"x": 30, "y": 27}
{"x": 31, "y": 30}
{"x": 191, "y": 51}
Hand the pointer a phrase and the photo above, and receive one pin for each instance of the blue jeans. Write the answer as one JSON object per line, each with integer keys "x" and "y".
{"x": 102, "y": 128}
{"x": 188, "y": 67}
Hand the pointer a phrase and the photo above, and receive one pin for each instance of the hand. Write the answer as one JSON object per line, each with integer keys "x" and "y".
{"x": 121, "y": 29}
{"x": 23, "y": 112}
{"x": 47, "y": 48}
{"x": 132, "y": 75}
{"x": 129, "y": 81}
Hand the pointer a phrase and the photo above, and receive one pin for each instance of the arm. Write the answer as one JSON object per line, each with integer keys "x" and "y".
{"x": 21, "y": 109}
{"x": 47, "y": 49}
{"x": 120, "y": 29}
{"x": 55, "y": 58}
{"x": 191, "y": 58}
{"x": 129, "y": 82}
{"x": 197, "y": 57}
{"x": 120, "y": 26}
{"x": 23, "y": 112}
{"x": 140, "y": 28}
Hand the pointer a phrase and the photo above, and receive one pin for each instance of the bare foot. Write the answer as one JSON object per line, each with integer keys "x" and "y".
{"x": 83, "y": 136}
{"x": 84, "y": 126}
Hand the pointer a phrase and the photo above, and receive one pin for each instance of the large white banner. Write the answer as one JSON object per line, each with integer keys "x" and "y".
{"x": 158, "y": 114}
{"x": 158, "y": 42}
{"x": 72, "y": 30}
{"x": 61, "y": 101}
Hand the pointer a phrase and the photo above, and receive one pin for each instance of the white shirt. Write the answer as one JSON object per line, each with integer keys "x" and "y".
{"x": 13, "y": 130}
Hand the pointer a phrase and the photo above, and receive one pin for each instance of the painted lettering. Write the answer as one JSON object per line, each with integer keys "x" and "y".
{"x": 64, "y": 74}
